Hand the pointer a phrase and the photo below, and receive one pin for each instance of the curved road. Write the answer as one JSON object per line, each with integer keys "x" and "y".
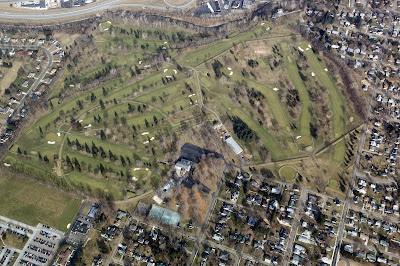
{"x": 22, "y": 15}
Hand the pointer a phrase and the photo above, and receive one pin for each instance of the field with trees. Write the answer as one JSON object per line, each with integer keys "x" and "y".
{"x": 129, "y": 97}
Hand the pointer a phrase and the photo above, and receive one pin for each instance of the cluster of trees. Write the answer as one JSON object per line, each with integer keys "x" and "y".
{"x": 24, "y": 169}
{"x": 313, "y": 130}
{"x": 137, "y": 71}
{"x": 217, "y": 65}
{"x": 242, "y": 130}
{"x": 179, "y": 36}
{"x": 87, "y": 79}
{"x": 139, "y": 108}
{"x": 292, "y": 98}
{"x": 96, "y": 151}
{"x": 167, "y": 80}
{"x": 252, "y": 63}
{"x": 7, "y": 64}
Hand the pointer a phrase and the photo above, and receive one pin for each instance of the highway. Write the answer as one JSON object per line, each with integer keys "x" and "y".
{"x": 22, "y": 15}
{"x": 36, "y": 83}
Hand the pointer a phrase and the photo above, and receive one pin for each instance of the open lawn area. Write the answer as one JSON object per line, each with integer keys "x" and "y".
{"x": 10, "y": 74}
{"x": 33, "y": 203}
{"x": 14, "y": 240}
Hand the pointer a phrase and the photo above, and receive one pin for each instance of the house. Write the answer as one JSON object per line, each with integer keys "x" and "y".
{"x": 64, "y": 257}
{"x": 348, "y": 248}
{"x": 182, "y": 167}
{"x": 305, "y": 240}
{"x": 24, "y": 112}
{"x": 364, "y": 237}
{"x": 252, "y": 221}
{"x": 25, "y": 84}
{"x": 110, "y": 233}
{"x": 218, "y": 237}
{"x": 93, "y": 211}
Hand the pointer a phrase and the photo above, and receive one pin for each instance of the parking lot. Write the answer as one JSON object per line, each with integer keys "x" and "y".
{"x": 39, "y": 249}
{"x": 7, "y": 255}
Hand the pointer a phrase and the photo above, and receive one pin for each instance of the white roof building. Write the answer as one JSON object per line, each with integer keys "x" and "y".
{"x": 233, "y": 144}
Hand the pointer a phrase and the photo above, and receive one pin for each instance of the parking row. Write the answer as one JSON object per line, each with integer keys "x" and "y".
{"x": 44, "y": 242}
{"x": 35, "y": 257}
{"x": 40, "y": 250}
{"x": 48, "y": 235}
{"x": 6, "y": 256}
{"x": 27, "y": 263}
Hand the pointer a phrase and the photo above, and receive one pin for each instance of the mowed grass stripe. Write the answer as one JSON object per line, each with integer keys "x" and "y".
{"x": 270, "y": 143}
{"x": 336, "y": 102}
{"x": 209, "y": 51}
{"x": 305, "y": 116}
{"x": 279, "y": 113}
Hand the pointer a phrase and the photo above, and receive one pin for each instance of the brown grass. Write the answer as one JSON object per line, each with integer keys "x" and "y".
{"x": 10, "y": 74}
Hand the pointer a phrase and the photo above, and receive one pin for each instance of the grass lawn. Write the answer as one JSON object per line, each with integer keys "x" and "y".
{"x": 287, "y": 172}
{"x": 9, "y": 76}
{"x": 336, "y": 99}
{"x": 305, "y": 117}
{"x": 269, "y": 140}
{"x": 164, "y": 104}
{"x": 336, "y": 102}
{"x": 14, "y": 240}
{"x": 279, "y": 112}
{"x": 32, "y": 203}
{"x": 334, "y": 184}
{"x": 206, "y": 52}
{"x": 91, "y": 248}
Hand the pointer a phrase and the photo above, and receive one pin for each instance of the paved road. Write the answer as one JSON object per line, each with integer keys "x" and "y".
{"x": 200, "y": 235}
{"x": 336, "y": 254}
{"x": 35, "y": 84}
{"x": 293, "y": 231}
{"x": 377, "y": 180}
{"x": 128, "y": 221}
{"x": 98, "y": 7}
{"x": 374, "y": 249}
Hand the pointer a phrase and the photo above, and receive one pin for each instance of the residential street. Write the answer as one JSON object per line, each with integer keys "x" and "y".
{"x": 37, "y": 81}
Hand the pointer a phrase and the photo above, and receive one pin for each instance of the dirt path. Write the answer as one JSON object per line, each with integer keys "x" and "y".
{"x": 58, "y": 169}
{"x": 134, "y": 199}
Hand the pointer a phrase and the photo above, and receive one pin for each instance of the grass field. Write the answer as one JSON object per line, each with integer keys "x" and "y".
{"x": 336, "y": 103}
{"x": 32, "y": 203}
{"x": 10, "y": 74}
{"x": 305, "y": 116}
{"x": 14, "y": 240}
{"x": 287, "y": 172}
{"x": 269, "y": 141}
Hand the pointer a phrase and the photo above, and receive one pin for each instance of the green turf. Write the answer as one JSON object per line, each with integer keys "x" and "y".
{"x": 207, "y": 52}
{"x": 334, "y": 184}
{"x": 269, "y": 140}
{"x": 305, "y": 116}
{"x": 32, "y": 203}
{"x": 287, "y": 172}
{"x": 275, "y": 105}
{"x": 170, "y": 104}
{"x": 336, "y": 101}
